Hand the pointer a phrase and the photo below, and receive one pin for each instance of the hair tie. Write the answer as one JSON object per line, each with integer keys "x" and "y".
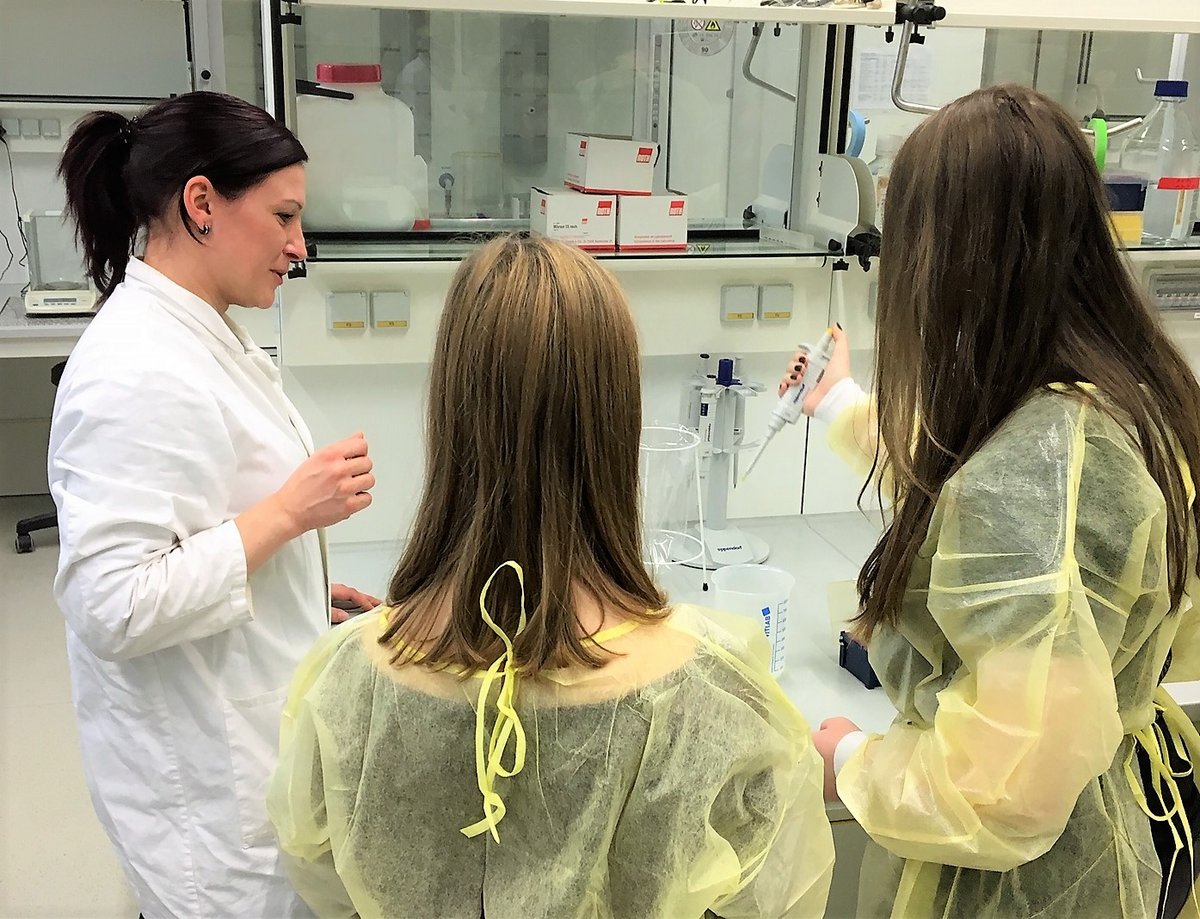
{"x": 128, "y": 130}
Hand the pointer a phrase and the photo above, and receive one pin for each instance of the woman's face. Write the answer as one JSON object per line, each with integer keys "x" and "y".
{"x": 256, "y": 236}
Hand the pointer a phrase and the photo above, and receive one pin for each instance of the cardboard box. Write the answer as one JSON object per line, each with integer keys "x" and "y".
{"x": 606, "y": 164}
{"x": 586, "y": 221}
{"x": 652, "y": 222}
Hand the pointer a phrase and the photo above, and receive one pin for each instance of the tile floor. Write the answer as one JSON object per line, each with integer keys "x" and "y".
{"x": 55, "y": 860}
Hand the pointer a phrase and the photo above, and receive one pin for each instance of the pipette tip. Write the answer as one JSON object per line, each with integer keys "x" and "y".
{"x": 754, "y": 462}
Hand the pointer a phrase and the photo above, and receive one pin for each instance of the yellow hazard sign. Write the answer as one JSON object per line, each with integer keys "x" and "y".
{"x": 712, "y": 26}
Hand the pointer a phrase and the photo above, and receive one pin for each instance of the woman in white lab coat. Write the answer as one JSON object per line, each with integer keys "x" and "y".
{"x": 190, "y": 499}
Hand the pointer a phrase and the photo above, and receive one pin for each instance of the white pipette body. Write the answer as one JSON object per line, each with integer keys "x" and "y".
{"x": 790, "y": 407}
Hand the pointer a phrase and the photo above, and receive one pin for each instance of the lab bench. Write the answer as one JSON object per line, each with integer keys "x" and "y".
{"x": 22, "y": 335}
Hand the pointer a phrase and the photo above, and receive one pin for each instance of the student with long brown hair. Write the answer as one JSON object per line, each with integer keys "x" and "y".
{"x": 527, "y": 728}
{"x": 1034, "y": 430}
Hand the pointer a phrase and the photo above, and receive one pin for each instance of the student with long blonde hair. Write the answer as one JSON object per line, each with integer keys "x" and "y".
{"x": 527, "y": 728}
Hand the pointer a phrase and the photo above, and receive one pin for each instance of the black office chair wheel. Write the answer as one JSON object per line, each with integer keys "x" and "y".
{"x": 24, "y": 543}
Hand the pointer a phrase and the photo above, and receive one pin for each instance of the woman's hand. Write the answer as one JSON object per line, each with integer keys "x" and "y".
{"x": 838, "y": 370}
{"x": 348, "y": 602}
{"x": 826, "y": 739}
{"x": 326, "y": 488}
{"x": 329, "y": 486}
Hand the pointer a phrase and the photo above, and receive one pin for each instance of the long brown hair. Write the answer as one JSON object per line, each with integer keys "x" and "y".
{"x": 1000, "y": 275}
{"x": 534, "y": 421}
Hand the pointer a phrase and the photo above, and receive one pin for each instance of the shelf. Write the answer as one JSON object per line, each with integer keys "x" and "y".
{"x": 73, "y": 104}
{"x": 1095, "y": 15}
{"x": 455, "y": 250}
{"x": 1075, "y": 15}
{"x": 733, "y": 10}
{"x": 1143, "y": 255}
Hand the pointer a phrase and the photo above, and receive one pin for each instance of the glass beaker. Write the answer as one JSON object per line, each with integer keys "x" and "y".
{"x": 669, "y": 485}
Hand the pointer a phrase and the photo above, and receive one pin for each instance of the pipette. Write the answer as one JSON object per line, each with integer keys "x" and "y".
{"x": 790, "y": 406}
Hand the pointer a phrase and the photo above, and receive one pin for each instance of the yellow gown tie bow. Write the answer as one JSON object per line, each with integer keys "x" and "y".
{"x": 1181, "y": 735}
{"x": 507, "y": 725}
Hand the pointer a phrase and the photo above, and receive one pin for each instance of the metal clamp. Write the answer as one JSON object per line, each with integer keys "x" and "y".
{"x": 1117, "y": 128}
{"x": 755, "y": 38}
{"x": 907, "y": 36}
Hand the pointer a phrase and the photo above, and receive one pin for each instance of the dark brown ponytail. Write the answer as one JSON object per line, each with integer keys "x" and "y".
{"x": 124, "y": 175}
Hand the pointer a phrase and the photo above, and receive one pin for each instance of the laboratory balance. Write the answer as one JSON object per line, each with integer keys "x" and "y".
{"x": 58, "y": 283}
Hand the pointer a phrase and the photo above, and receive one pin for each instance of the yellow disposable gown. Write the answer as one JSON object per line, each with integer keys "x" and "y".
{"x": 1025, "y": 666}
{"x": 675, "y": 779}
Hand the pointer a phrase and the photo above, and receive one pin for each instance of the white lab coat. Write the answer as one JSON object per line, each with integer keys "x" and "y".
{"x": 169, "y": 422}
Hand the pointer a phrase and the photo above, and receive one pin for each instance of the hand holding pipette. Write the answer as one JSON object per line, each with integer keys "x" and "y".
{"x": 791, "y": 405}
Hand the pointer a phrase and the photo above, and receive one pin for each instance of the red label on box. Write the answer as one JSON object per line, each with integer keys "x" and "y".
{"x": 582, "y": 147}
{"x": 644, "y": 154}
{"x": 604, "y": 209}
{"x": 676, "y": 208}
{"x": 1179, "y": 183}
{"x": 543, "y": 205}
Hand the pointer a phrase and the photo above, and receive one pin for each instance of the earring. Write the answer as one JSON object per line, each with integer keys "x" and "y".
{"x": 204, "y": 230}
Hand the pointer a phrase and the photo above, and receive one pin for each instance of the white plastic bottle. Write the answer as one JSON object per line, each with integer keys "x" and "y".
{"x": 886, "y": 148}
{"x": 1166, "y": 153}
{"x": 362, "y": 170}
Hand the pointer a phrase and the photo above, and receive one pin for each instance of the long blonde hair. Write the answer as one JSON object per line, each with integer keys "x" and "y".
{"x": 534, "y": 420}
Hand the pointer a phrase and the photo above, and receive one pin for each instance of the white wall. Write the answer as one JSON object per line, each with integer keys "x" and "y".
{"x": 243, "y": 49}
{"x": 64, "y": 47}
{"x": 374, "y": 381}
{"x": 59, "y": 47}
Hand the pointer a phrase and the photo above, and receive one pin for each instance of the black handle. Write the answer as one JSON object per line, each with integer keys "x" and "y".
{"x": 309, "y": 88}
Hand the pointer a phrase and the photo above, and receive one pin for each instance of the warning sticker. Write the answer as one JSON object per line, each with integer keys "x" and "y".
{"x": 712, "y": 26}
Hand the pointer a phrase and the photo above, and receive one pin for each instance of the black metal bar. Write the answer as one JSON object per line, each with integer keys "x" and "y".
{"x": 844, "y": 101}
{"x": 320, "y": 237}
{"x": 189, "y": 38}
{"x": 280, "y": 100}
{"x": 827, "y": 89}
{"x": 56, "y": 99}
{"x": 309, "y": 88}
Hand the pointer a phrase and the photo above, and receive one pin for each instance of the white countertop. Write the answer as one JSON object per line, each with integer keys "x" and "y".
{"x": 34, "y": 336}
{"x": 818, "y": 550}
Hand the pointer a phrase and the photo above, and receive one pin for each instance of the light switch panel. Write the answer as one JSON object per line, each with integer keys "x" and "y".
{"x": 347, "y": 310}
{"x": 389, "y": 309}
{"x": 739, "y": 303}
{"x": 775, "y": 302}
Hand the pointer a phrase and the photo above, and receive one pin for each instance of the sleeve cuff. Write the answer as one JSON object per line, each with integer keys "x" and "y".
{"x": 846, "y": 748}
{"x": 840, "y": 397}
{"x": 240, "y": 602}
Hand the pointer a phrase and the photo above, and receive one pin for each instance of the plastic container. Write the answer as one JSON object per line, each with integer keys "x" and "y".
{"x": 886, "y": 148}
{"x": 1127, "y": 198}
{"x": 763, "y": 593}
{"x": 363, "y": 173}
{"x": 1166, "y": 153}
